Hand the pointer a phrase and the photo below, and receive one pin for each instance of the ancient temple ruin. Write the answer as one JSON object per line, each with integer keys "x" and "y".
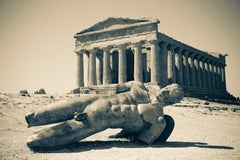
{"x": 118, "y": 50}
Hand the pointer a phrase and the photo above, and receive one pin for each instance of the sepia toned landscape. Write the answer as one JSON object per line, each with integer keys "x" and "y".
{"x": 203, "y": 130}
{"x": 76, "y": 49}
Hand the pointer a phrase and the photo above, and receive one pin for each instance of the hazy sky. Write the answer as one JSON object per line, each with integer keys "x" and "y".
{"x": 37, "y": 44}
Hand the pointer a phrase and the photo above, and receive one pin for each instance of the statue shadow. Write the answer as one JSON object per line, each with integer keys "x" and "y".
{"x": 98, "y": 145}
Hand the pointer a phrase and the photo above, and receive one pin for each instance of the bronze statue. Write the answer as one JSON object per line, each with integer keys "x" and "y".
{"x": 137, "y": 110}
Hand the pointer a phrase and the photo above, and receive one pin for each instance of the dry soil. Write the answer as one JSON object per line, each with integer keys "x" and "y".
{"x": 201, "y": 132}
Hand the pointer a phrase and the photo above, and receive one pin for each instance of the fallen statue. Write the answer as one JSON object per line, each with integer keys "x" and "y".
{"x": 137, "y": 110}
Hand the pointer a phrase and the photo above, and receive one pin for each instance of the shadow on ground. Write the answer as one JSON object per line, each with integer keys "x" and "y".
{"x": 98, "y": 145}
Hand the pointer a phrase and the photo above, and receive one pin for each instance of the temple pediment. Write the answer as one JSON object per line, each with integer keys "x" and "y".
{"x": 118, "y": 29}
{"x": 115, "y": 24}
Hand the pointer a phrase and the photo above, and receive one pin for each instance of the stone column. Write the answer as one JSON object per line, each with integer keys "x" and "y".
{"x": 92, "y": 67}
{"x": 138, "y": 71}
{"x": 155, "y": 75}
{"x": 198, "y": 72}
{"x": 208, "y": 75}
{"x": 106, "y": 66}
{"x": 213, "y": 76}
{"x": 186, "y": 68}
{"x": 216, "y": 77}
{"x": 86, "y": 62}
{"x": 171, "y": 65}
{"x": 223, "y": 77}
{"x": 201, "y": 69}
{"x": 99, "y": 68}
{"x": 80, "y": 73}
{"x": 203, "y": 80}
{"x": 179, "y": 72}
{"x": 122, "y": 68}
{"x": 205, "y": 74}
{"x": 192, "y": 70}
{"x": 219, "y": 78}
{"x": 163, "y": 64}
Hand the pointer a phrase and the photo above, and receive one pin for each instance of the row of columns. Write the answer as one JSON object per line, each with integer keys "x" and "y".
{"x": 193, "y": 70}
{"x": 169, "y": 64}
{"x": 91, "y": 68}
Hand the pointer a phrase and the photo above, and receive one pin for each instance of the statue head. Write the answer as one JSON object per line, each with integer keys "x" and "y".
{"x": 170, "y": 94}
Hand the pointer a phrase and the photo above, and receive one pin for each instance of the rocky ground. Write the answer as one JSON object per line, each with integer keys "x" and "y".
{"x": 202, "y": 131}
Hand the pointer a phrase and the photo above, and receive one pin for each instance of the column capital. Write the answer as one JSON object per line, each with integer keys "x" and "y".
{"x": 137, "y": 44}
{"x": 163, "y": 44}
{"x": 153, "y": 42}
{"x": 106, "y": 49}
{"x": 171, "y": 47}
{"x": 198, "y": 57}
{"x": 192, "y": 55}
{"x": 223, "y": 65}
{"x": 203, "y": 59}
{"x": 185, "y": 52}
{"x": 93, "y": 51}
{"x": 81, "y": 51}
{"x": 219, "y": 64}
{"x": 122, "y": 46}
{"x": 178, "y": 50}
{"x": 214, "y": 63}
{"x": 208, "y": 60}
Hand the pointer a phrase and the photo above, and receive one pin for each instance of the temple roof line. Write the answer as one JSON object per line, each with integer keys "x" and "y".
{"x": 173, "y": 41}
{"x": 115, "y": 24}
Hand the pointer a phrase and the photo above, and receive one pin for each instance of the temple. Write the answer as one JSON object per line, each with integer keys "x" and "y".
{"x": 118, "y": 50}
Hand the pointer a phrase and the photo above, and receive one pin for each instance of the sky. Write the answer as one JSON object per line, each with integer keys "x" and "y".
{"x": 37, "y": 44}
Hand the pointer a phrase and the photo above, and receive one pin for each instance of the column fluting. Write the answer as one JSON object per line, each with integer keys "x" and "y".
{"x": 138, "y": 71}
{"x": 198, "y": 72}
{"x": 171, "y": 65}
{"x": 122, "y": 68}
{"x": 155, "y": 74}
{"x": 80, "y": 68}
{"x": 192, "y": 70}
{"x": 186, "y": 68}
{"x": 163, "y": 64}
{"x": 179, "y": 68}
{"x": 92, "y": 67}
{"x": 106, "y": 66}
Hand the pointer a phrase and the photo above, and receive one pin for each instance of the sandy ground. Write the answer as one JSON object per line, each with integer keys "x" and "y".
{"x": 200, "y": 133}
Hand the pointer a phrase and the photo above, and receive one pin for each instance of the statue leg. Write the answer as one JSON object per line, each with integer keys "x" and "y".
{"x": 58, "y": 111}
{"x": 64, "y": 133}
{"x": 167, "y": 130}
